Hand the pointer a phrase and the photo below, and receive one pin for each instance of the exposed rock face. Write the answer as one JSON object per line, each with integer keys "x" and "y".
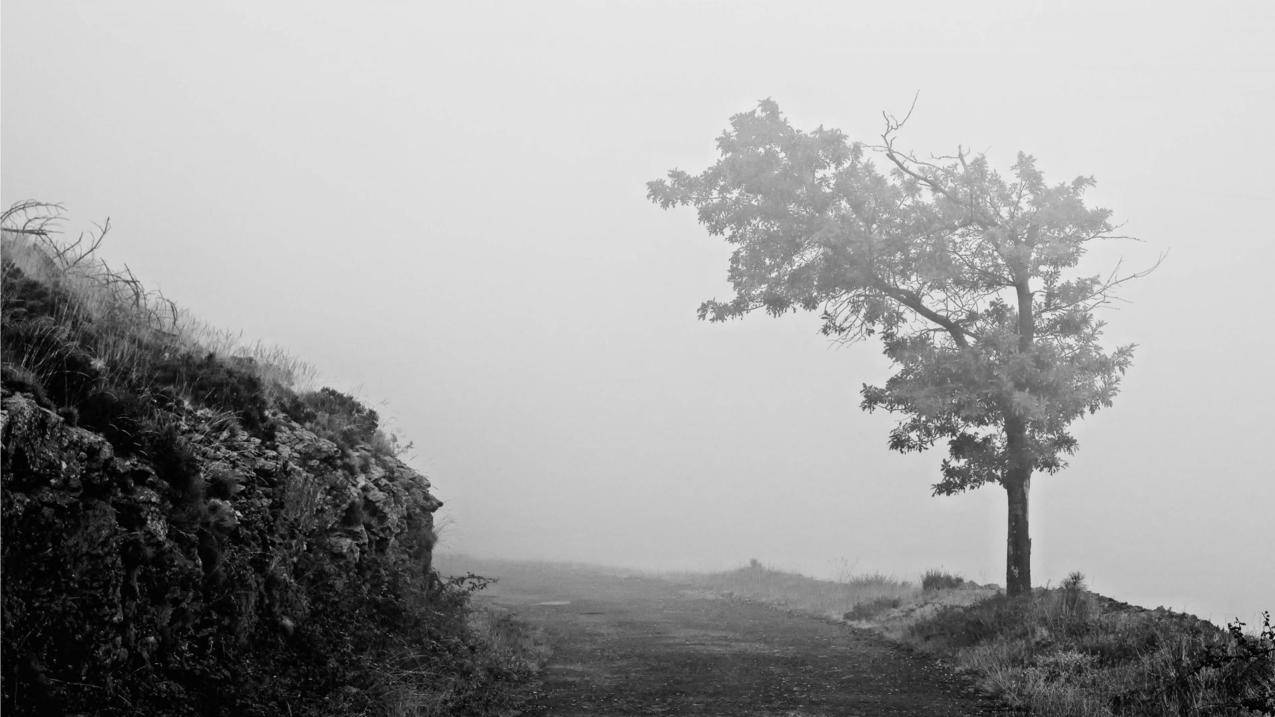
{"x": 188, "y": 566}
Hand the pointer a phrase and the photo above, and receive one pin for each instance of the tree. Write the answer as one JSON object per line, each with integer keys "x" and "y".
{"x": 968, "y": 278}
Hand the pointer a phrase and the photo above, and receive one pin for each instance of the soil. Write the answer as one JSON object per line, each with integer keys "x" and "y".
{"x": 640, "y": 645}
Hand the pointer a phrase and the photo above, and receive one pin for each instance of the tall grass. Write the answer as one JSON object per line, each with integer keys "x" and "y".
{"x": 123, "y": 329}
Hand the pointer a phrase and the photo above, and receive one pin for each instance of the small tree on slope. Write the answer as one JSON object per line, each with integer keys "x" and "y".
{"x": 967, "y": 277}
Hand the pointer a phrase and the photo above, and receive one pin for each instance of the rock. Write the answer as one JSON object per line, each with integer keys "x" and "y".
{"x": 111, "y": 574}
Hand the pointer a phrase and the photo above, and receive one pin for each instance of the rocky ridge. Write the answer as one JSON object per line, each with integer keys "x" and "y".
{"x": 177, "y": 579}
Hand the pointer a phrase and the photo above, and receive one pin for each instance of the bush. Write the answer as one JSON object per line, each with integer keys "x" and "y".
{"x": 1232, "y": 674}
{"x": 335, "y": 416}
{"x": 176, "y": 464}
{"x": 1246, "y": 667}
{"x": 119, "y": 414}
{"x": 212, "y": 381}
{"x": 939, "y": 580}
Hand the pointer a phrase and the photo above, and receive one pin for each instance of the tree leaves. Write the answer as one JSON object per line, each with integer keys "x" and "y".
{"x": 962, "y": 274}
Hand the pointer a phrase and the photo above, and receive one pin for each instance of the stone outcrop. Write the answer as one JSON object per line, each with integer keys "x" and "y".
{"x": 163, "y": 577}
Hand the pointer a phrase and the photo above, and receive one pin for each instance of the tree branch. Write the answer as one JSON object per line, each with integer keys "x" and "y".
{"x": 913, "y": 301}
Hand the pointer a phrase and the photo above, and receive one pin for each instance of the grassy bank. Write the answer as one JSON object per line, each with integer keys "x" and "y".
{"x": 1059, "y": 652}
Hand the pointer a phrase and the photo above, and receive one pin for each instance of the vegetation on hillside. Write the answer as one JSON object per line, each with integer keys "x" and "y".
{"x": 188, "y": 530}
{"x": 1061, "y": 652}
{"x": 1067, "y": 651}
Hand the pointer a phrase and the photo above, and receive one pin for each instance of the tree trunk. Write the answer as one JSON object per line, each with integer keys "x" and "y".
{"x": 1018, "y": 556}
{"x": 1017, "y": 482}
{"x": 1018, "y": 477}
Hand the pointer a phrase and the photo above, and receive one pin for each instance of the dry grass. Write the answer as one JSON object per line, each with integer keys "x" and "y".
{"x": 123, "y": 325}
{"x": 273, "y": 364}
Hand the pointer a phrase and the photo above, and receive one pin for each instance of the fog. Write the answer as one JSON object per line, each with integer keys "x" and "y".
{"x": 442, "y": 207}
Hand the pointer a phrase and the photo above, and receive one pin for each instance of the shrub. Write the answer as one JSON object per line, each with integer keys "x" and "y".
{"x": 176, "y": 463}
{"x": 1246, "y": 666}
{"x": 1073, "y": 589}
{"x": 1225, "y": 674}
{"x": 211, "y": 381}
{"x": 389, "y": 445}
{"x": 336, "y": 416}
{"x": 939, "y": 580}
{"x": 120, "y": 415}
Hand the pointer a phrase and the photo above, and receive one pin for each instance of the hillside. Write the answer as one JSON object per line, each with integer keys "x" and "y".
{"x": 188, "y": 530}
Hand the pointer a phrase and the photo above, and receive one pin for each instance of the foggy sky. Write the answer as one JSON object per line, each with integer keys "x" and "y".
{"x": 442, "y": 207}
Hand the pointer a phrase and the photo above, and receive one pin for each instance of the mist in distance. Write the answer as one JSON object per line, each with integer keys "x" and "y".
{"x": 443, "y": 207}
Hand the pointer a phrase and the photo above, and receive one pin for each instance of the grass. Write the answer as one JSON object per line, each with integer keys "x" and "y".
{"x": 1067, "y": 651}
{"x": 91, "y": 333}
{"x": 1061, "y": 652}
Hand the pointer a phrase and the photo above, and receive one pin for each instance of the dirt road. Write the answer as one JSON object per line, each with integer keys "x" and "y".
{"x": 631, "y": 645}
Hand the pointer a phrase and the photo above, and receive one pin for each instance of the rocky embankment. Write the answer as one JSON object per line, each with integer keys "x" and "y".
{"x": 216, "y": 572}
